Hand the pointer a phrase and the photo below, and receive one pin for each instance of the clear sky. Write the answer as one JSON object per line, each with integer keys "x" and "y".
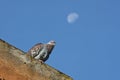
{"x": 88, "y": 49}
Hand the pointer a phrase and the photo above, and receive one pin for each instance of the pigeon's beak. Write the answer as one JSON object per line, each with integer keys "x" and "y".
{"x": 52, "y": 42}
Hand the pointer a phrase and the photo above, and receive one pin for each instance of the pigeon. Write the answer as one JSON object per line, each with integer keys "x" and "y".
{"x": 42, "y": 51}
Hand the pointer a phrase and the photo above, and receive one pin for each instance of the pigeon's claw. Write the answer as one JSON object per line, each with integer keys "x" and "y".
{"x": 41, "y": 61}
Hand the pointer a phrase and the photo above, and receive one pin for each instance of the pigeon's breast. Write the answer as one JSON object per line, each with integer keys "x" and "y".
{"x": 42, "y": 54}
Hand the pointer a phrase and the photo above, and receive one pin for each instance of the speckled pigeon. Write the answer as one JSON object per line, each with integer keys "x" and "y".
{"x": 42, "y": 51}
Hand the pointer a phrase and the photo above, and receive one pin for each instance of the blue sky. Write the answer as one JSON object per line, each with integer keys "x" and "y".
{"x": 88, "y": 49}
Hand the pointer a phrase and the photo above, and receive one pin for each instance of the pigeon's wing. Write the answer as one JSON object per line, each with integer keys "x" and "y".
{"x": 35, "y": 49}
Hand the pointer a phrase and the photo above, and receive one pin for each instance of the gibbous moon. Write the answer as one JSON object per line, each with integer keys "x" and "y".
{"x": 72, "y": 17}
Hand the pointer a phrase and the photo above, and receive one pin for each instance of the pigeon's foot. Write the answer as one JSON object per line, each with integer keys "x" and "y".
{"x": 41, "y": 61}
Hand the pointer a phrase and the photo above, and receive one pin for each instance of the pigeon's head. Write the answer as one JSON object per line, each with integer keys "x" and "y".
{"x": 52, "y": 42}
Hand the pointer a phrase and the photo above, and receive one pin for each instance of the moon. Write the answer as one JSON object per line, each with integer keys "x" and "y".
{"x": 72, "y": 17}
